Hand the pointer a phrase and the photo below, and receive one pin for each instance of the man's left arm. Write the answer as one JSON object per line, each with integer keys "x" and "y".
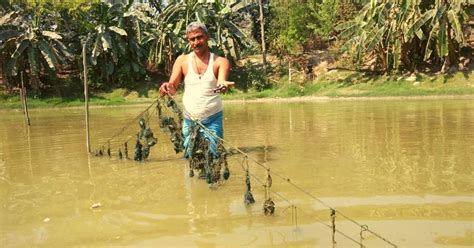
{"x": 223, "y": 74}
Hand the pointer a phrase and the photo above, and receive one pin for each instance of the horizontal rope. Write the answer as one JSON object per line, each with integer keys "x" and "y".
{"x": 196, "y": 120}
{"x": 128, "y": 124}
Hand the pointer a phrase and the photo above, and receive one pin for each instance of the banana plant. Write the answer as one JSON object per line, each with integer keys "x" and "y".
{"x": 26, "y": 44}
{"x": 380, "y": 30}
{"x": 226, "y": 35}
{"x": 445, "y": 34}
{"x": 102, "y": 36}
{"x": 133, "y": 55}
{"x": 399, "y": 32}
{"x": 168, "y": 39}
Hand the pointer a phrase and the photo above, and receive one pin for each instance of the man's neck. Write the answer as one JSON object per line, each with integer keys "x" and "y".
{"x": 203, "y": 55}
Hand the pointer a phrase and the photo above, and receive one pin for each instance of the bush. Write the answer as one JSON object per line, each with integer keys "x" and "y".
{"x": 250, "y": 76}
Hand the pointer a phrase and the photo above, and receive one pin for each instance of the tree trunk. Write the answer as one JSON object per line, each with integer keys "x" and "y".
{"x": 262, "y": 34}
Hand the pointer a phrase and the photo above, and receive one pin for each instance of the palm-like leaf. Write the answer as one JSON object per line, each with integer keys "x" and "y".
{"x": 48, "y": 54}
{"x": 396, "y": 26}
{"x": 117, "y": 30}
{"x": 36, "y": 48}
{"x": 103, "y": 36}
{"x": 456, "y": 26}
{"x": 168, "y": 40}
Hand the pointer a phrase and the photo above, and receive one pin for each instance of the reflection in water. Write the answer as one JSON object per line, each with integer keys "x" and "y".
{"x": 384, "y": 163}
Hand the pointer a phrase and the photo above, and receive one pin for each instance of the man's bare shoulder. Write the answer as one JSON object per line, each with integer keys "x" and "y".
{"x": 221, "y": 60}
{"x": 181, "y": 58}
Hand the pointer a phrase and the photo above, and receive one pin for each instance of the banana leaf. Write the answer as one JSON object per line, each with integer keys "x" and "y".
{"x": 117, "y": 30}
{"x": 456, "y": 26}
{"x": 48, "y": 54}
{"x": 442, "y": 41}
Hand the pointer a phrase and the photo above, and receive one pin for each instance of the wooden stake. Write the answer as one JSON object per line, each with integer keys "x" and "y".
{"x": 333, "y": 220}
{"x": 86, "y": 97}
{"x": 24, "y": 102}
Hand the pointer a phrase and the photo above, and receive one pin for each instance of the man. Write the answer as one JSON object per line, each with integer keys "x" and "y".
{"x": 205, "y": 76}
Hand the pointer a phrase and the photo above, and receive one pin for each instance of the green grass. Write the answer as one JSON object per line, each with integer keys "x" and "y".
{"x": 350, "y": 84}
{"x": 357, "y": 85}
{"x": 116, "y": 97}
{"x": 335, "y": 84}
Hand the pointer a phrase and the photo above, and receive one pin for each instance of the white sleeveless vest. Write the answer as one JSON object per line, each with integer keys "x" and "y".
{"x": 199, "y": 99}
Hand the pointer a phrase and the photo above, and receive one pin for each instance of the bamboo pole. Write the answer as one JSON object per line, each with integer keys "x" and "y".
{"x": 86, "y": 97}
{"x": 24, "y": 102}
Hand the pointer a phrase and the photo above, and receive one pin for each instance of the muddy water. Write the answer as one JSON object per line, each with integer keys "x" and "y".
{"x": 402, "y": 167}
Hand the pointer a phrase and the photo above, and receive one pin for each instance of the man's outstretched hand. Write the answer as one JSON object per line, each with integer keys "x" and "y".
{"x": 167, "y": 88}
{"x": 222, "y": 87}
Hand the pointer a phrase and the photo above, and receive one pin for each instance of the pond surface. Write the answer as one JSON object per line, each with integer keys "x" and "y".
{"x": 402, "y": 167}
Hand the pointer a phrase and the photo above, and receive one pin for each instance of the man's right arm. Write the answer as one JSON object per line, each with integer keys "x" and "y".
{"x": 175, "y": 78}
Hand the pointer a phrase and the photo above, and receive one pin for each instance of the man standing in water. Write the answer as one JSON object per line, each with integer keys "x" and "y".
{"x": 205, "y": 76}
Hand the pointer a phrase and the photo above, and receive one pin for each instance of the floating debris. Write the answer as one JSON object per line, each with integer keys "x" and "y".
{"x": 95, "y": 205}
{"x": 46, "y": 220}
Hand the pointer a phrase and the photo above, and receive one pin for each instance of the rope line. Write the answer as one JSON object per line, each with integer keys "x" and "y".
{"x": 147, "y": 120}
{"x": 129, "y": 124}
{"x": 261, "y": 182}
{"x": 329, "y": 226}
{"x": 245, "y": 160}
{"x": 196, "y": 120}
{"x": 319, "y": 220}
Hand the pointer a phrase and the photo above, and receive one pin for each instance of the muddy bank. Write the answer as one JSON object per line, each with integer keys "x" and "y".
{"x": 362, "y": 98}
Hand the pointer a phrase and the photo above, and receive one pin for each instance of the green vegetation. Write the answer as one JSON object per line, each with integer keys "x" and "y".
{"x": 124, "y": 43}
{"x": 332, "y": 85}
{"x": 355, "y": 84}
{"x": 407, "y": 34}
{"x": 130, "y": 48}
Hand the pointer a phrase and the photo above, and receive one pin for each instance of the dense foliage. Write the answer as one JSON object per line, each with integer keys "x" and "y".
{"x": 125, "y": 43}
{"x": 128, "y": 43}
{"x": 297, "y": 26}
{"x": 404, "y": 34}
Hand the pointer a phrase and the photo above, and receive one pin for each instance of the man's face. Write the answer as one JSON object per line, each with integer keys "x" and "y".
{"x": 197, "y": 40}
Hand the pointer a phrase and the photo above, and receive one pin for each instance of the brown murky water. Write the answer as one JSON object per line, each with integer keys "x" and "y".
{"x": 403, "y": 167}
